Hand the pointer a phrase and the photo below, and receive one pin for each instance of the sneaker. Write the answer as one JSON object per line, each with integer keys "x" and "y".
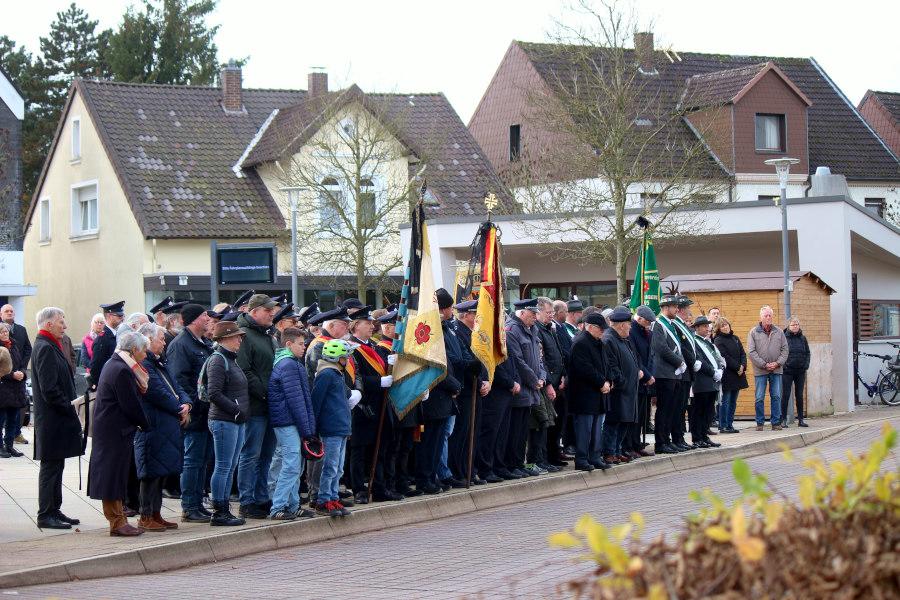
{"x": 323, "y": 508}
{"x": 759, "y": 427}
{"x": 20, "y": 439}
{"x": 304, "y": 513}
{"x": 283, "y": 515}
{"x": 334, "y": 508}
{"x": 342, "y": 510}
{"x": 534, "y": 470}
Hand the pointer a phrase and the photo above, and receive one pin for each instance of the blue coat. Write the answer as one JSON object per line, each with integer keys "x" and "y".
{"x": 329, "y": 401}
{"x": 290, "y": 402}
{"x": 158, "y": 452}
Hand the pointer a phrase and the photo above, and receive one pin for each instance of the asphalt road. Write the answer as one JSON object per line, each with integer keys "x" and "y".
{"x": 500, "y": 553}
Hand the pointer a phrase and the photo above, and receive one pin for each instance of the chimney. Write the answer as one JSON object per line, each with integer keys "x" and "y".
{"x": 231, "y": 88}
{"x": 317, "y": 82}
{"x": 643, "y": 49}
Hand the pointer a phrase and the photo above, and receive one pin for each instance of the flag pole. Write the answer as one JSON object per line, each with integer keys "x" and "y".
{"x": 472, "y": 431}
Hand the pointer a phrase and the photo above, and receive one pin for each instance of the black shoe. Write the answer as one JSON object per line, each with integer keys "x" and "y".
{"x": 265, "y": 507}
{"x": 361, "y": 498}
{"x": 222, "y": 516}
{"x": 429, "y": 488}
{"x": 584, "y": 466}
{"x": 453, "y": 482}
{"x": 559, "y": 462}
{"x": 53, "y": 523}
{"x": 387, "y": 496}
{"x": 476, "y": 480}
{"x": 4, "y": 453}
{"x": 195, "y": 516}
{"x": 171, "y": 495}
{"x": 711, "y": 432}
{"x": 506, "y": 475}
{"x": 602, "y": 465}
{"x": 667, "y": 449}
{"x": 13, "y": 452}
{"x": 684, "y": 446}
{"x": 249, "y": 511}
{"x": 712, "y": 444}
{"x": 492, "y": 478}
{"x": 409, "y": 492}
{"x": 65, "y": 519}
{"x": 549, "y": 468}
{"x": 801, "y": 423}
{"x": 204, "y": 511}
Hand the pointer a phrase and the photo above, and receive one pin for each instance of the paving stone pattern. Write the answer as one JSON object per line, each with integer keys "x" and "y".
{"x": 500, "y": 553}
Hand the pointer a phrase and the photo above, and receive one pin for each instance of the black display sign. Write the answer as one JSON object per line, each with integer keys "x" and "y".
{"x": 246, "y": 264}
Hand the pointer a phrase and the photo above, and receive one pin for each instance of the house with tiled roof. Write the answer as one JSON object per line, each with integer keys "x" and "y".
{"x": 743, "y": 110}
{"x": 881, "y": 110}
{"x": 141, "y": 178}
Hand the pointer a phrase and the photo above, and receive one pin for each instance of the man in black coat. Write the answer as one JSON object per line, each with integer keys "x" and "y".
{"x": 105, "y": 344}
{"x": 541, "y": 445}
{"x": 640, "y": 339}
{"x": 57, "y": 430}
{"x": 184, "y": 358}
{"x": 589, "y": 385}
{"x": 689, "y": 352}
{"x": 491, "y": 443}
{"x": 668, "y": 369}
{"x": 19, "y": 336}
{"x": 627, "y": 377}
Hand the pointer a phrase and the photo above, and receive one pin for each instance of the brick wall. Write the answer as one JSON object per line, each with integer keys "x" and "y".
{"x": 880, "y": 120}
{"x": 232, "y": 100}
{"x": 811, "y": 304}
{"x": 773, "y": 96}
{"x": 715, "y": 127}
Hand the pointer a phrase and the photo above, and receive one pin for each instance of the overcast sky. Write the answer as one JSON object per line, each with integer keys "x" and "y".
{"x": 454, "y": 47}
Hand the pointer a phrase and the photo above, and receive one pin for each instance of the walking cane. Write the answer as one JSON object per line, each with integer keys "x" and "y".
{"x": 472, "y": 431}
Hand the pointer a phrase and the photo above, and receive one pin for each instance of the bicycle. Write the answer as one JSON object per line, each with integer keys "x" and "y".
{"x": 887, "y": 382}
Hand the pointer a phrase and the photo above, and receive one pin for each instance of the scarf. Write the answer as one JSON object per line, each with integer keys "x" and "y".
{"x": 141, "y": 376}
{"x": 7, "y": 344}
{"x": 46, "y": 334}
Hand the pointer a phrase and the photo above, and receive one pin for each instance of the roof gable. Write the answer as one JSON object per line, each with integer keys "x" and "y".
{"x": 11, "y": 96}
{"x": 729, "y": 86}
{"x": 838, "y": 137}
{"x": 889, "y": 100}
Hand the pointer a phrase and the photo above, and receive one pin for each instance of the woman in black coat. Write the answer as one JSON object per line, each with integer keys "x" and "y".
{"x": 158, "y": 451}
{"x": 734, "y": 379}
{"x": 588, "y": 389}
{"x": 794, "y": 377}
{"x": 12, "y": 395}
{"x": 117, "y": 415}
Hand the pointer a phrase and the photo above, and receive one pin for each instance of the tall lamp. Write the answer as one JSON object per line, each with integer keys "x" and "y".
{"x": 783, "y": 169}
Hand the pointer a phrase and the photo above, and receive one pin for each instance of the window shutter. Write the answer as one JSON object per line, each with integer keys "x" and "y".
{"x": 866, "y": 319}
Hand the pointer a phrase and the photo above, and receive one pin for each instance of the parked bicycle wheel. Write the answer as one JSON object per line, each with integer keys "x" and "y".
{"x": 889, "y": 389}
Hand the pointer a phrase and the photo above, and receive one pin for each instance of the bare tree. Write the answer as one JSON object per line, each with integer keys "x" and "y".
{"x": 617, "y": 138}
{"x": 352, "y": 181}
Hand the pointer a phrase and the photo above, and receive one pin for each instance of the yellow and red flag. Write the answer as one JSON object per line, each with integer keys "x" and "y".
{"x": 489, "y": 334}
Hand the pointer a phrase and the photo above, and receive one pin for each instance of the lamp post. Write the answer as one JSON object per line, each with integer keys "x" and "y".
{"x": 293, "y": 193}
{"x": 783, "y": 168}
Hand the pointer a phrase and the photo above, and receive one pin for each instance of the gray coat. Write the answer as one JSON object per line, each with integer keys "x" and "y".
{"x": 666, "y": 353}
{"x": 524, "y": 348}
{"x": 764, "y": 348}
{"x": 624, "y": 366}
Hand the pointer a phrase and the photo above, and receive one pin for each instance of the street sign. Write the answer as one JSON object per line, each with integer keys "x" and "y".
{"x": 242, "y": 264}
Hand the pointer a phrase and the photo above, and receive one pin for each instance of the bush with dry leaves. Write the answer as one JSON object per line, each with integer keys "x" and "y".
{"x": 840, "y": 540}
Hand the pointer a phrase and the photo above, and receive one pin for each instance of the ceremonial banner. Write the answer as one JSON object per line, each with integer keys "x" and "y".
{"x": 489, "y": 334}
{"x": 646, "y": 279}
{"x": 421, "y": 358}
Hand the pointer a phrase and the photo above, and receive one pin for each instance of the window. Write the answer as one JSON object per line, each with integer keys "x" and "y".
{"x": 770, "y": 133}
{"x": 331, "y": 202}
{"x": 879, "y": 319}
{"x": 769, "y": 197}
{"x": 515, "y": 142}
{"x": 366, "y": 206}
{"x": 84, "y": 209}
{"x": 45, "y": 220}
{"x": 76, "y": 138}
{"x": 876, "y": 205}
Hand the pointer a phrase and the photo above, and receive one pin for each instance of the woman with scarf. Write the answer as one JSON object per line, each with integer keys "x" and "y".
{"x": 12, "y": 394}
{"x": 117, "y": 416}
{"x": 87, "y": 342}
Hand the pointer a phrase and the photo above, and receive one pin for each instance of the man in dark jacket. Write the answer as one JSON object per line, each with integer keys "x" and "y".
{"x": 57, "y": 430}
{"x": 640, "y": 339}
{"x": 794, "y": 377}
{"x": 185, "y": 357}
{"x": 627, "y": 377}
{"x": 440, "y": 405}
{"x": 256, "y": 357}
{"x": 19, "y": 336}
{"x": 589, "y": 385}
{"x": 105, "y": 344}
{"x": 561, "y": 434}
{"x": 492, "y": 431}
{"x": 682, "y": 322}
{"x": 474, "y": 380}
{"x": 706, "y": 385}
{"x": 540, "y": 445}
{"x": 524, "y": 348}
{"x": 668, "y": 367}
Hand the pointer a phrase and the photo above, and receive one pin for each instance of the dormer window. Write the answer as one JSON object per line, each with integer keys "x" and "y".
{"x": 770, "y": 135}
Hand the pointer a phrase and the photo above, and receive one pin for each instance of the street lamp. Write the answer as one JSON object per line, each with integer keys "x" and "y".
{"x": 783, "y": 168}
{"x": 293, "y": 193}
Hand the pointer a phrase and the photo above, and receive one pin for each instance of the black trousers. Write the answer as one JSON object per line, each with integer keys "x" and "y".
{"x": 633, "y": 440}
{"x": 678, "y": 420}
{"x": 667, "y": 401}
{"x": 133, "y": 500}
{"x": 428, "y": 452}
{"x": 514, "y": 458}
{"x": 537, "y": 445}
{"x": 361, "y": 464}
{"x": 796, "y": 380}
{"x": 151, "y": 496}
{"x": 50, "y": 488}
{"x": 458, "y": 444}
{"x": 401, "y": 475}
{"x": 491, "y": 434}
{"x": 556, "y": 431}
{"x": 701, "y": 411}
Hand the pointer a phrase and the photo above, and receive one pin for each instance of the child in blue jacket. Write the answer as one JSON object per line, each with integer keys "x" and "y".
{"x": 332, "y": 409}
{"x": 292, "y": 418}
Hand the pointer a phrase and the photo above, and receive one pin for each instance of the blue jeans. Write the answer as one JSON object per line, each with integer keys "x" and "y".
{"x": 774, "y": 381}
{"x": 588, "y": 438}
{"x": 287, "y": 480}
{"x": 726, "y": 408}
{"x": 253, "y": 467}
{"x": 613, "y": 436}
{"x": 443, "y": 470}
{"x": 228, "y": 438}
{"x": 198, "y": 449}
{"x": 332, "y": 467}
{"x": 274, "y": 469}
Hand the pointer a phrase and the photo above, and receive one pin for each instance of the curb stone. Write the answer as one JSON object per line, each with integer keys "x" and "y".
{"x": 234, "y": 544}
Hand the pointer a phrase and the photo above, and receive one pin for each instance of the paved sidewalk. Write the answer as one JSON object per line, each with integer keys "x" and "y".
{"x": 27, "y": 547}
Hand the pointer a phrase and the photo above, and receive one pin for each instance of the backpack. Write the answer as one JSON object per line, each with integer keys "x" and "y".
{"x": 202, "y": 391}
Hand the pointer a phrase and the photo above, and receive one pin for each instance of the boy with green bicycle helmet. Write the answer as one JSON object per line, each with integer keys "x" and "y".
{"x": 331, "y": 400}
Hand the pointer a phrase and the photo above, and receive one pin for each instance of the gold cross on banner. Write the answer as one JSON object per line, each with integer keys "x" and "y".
{"x": 491, "y": 202}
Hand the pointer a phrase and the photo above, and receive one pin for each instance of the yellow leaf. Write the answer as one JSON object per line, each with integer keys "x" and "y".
{"x": 564, "y": 539}
{"x": 738, "y": 525}
{"x": 620, "y": 532}
{"x": 786, "y": 452}
{"x": 750, "y": 549}
{"x": 718, "y": 533}
{"x": 657, "y": 592}
{"x": 638, "y": 520}
{"x": 596, "y": 538}
{"x": 774, "y": 511}
{"x": 584, "y": 524}
{"x": 807, "y": 491}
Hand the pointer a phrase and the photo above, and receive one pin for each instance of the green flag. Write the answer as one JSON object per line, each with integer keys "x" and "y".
{"x": 646, "y": 279}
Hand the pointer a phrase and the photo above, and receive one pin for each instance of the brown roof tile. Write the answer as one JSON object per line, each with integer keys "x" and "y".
{"x": 889, "y": 100}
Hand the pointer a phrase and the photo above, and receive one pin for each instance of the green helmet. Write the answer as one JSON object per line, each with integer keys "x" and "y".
{"x": 334, "y": 350}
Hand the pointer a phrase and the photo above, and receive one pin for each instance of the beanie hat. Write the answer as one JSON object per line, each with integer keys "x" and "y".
{"x": 190, "y": 313}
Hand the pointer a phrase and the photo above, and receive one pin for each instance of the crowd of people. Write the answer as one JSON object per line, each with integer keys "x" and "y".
{"x": 260, "y": 405}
